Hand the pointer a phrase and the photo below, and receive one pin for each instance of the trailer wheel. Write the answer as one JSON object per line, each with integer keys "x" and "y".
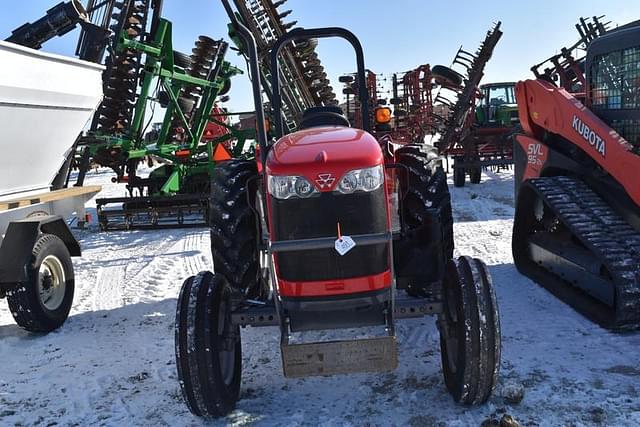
{"x": 234, "y": 241}
{"x": 475, "y": 175}
{"x": 469, "y": 326}
{"x": 459, "y": 176}
{"x": 43, "y": 303}
{"x": 208, "y": 347}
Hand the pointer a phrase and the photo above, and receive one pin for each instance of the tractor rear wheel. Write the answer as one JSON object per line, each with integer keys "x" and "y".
{"x": 425, "y": 196}
{"x": 439, "y": 191}
{"x": 208, "y": 346}
{"x": 234, "y": 240}
{"x": 426, "y": 188}
{"x": 469, "y": 326}
{"x": 42, "y": 304}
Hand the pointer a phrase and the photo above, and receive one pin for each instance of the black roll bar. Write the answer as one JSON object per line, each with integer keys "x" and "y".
{"x": 305, "y": 34}
{"x": 254, "y": 72}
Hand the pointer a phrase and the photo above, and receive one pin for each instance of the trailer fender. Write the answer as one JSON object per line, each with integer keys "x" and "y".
{"x": 18, "y": 242}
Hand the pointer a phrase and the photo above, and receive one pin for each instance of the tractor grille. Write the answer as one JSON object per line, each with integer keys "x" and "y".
{"x": 357, "y": 213}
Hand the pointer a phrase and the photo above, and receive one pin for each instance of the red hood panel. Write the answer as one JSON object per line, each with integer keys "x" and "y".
{"x": 323, "y": 150}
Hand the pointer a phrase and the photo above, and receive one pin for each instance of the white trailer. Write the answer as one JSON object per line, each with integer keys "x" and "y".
{"x": 45, "y": 102}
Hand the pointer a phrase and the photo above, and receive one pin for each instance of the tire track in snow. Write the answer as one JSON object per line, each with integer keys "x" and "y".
{"x": 111, "y": 270}
{"x": 156, "y": 278}
{"x": 196, "y": 257}
{"x": 107, "y": 293}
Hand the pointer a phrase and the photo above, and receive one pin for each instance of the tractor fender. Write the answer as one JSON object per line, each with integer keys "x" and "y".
{"x": 17, "y": 246}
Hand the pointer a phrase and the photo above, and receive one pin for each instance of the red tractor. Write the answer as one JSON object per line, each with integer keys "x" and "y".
{"x": 306, "y": 237}
{"x": 577, "y": 220}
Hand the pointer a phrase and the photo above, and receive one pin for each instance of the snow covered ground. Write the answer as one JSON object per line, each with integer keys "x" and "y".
{"x": 113, "y": 364}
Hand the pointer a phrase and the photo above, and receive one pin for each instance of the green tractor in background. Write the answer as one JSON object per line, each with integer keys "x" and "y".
{"x": 498, "y": 107}
{"x": 489, "y": 143}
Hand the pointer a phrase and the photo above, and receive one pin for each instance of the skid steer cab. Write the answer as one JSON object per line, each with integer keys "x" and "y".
{"x": 307, "y": 244}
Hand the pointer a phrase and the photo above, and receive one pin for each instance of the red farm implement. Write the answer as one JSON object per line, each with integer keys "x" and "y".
{"x": 473, "y": 144}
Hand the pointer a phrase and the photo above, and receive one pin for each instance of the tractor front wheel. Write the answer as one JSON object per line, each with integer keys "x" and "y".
{"x": 208, "y": 346}
{"x": 469, "y": 326}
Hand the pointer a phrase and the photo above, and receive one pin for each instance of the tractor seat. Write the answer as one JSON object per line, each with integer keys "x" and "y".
{"x": 330, "y": 115}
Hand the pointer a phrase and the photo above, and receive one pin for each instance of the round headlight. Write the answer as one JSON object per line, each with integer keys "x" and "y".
{"x": 348, "y": 183}
{"x": 303, "y": 187}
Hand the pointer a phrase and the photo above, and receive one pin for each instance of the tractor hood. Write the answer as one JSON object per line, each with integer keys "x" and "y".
{"x": 323, "y": 150}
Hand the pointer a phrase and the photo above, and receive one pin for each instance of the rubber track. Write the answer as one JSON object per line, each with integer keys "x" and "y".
{"x": 605, "y": 233}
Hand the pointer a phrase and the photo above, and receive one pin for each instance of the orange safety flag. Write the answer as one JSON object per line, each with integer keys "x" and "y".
{"x": 220, "y": 153}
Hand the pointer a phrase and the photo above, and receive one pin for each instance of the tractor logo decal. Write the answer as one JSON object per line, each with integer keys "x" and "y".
{"x": 589, "y": 135}
{"x": 325, "y": 180}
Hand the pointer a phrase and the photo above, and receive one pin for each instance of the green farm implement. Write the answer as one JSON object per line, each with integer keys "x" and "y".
{"x": 304, "y": 80}
{"x": 187, "y": 87}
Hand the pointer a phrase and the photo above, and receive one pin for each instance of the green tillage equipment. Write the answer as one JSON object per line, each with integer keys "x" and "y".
{"x": 176, "y": 193}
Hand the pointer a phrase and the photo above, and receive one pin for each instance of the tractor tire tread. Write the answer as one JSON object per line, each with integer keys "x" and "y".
{"x": 233, "y": 224}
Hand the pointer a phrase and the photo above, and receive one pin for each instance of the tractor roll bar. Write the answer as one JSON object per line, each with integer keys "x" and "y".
{"x": 254, "y": 73}
{"x": 302, "y": 34}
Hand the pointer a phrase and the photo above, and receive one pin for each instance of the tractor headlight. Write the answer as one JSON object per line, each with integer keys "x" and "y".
{"x": 303, "y": 187}
{"x": 285, "y": 187}
{"x": 371, "y": 178}
{"x": 349, "y": 183}
{"x": 368, "y": 179}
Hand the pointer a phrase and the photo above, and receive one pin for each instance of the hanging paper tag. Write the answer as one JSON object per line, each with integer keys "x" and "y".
{"x": 344, "y": 244}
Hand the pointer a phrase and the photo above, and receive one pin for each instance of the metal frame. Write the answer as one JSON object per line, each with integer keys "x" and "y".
{"x": 305, "y": 34}
{"x": 301, "y": 67}
{"x": 565, "y": 65}
{"x": 255, "y": 76}
{"x": 64, "y": 206}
